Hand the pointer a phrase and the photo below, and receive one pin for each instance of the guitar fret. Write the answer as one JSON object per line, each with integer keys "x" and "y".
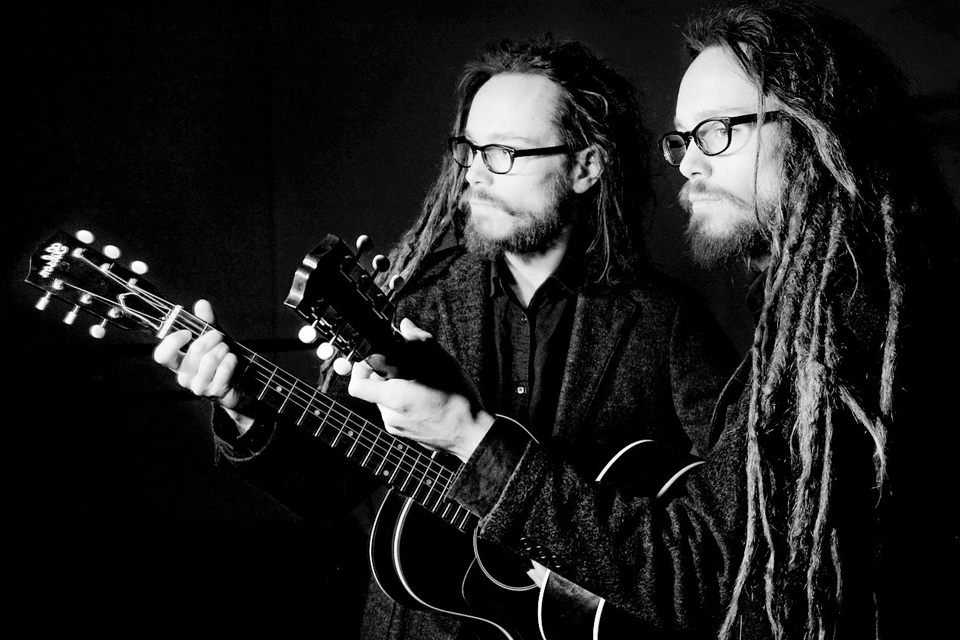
{"x": 323, "y": 420}
{"x": 266, "y": 385}
{"x": 465, "y": 518}
{"x": 290, "y": 391}
{"x": 306, "y": 409}
{"x": 356, "y": 443}
{"x": 436, "y": 500}
{"x": 366, "y": 458}
{"x": 383, "y": 462}
{"x": 403, "y": 458}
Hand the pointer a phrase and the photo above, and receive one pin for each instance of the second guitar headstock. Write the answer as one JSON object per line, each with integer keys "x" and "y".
{"x": 340, "y": 301}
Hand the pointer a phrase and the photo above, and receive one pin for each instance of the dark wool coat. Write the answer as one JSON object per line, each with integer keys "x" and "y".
{"x": 645, "y": 361}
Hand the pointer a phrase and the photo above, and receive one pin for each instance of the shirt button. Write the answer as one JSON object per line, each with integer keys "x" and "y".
{"x": 521, "y": 390}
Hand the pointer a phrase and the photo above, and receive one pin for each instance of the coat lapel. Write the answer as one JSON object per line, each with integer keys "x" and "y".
{"x": 462, "y": 314}
{"x": 600, "y": 324}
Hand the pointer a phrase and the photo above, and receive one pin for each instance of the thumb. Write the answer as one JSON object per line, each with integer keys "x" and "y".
{"x": 412, "y": 332}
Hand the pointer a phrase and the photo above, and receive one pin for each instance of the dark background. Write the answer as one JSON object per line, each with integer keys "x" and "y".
{"x": 219, "y": 144}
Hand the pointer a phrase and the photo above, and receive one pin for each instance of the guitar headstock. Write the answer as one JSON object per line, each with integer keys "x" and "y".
{"x": 67, "y": 269}
{"x": 340, "y": 301}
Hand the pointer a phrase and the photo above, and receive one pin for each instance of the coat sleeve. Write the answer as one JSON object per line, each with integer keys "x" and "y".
{"x": 287, "y": 462}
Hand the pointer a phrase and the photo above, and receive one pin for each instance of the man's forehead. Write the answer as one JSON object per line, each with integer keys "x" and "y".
{"x": 714, "y": 86}
{"x": 513, "y": 107}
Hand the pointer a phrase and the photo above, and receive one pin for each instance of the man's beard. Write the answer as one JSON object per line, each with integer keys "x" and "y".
{"x": 533, "y": 232}
{"x": 745, "y": 239}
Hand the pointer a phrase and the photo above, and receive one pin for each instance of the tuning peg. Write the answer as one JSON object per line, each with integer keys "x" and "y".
{"x": 111, "y": 252}
{"x": 363, "y": 244}
{"x": 44, "y": 301}
{"x": 395, "y": 284}
{"x": 99, "y": 330}
{"x": 342, "y": 366}
{"x": 71, "y": 315}
{"x": 307, "y": 334}
{"x": 84, "y": 236}
{"x": 380, "y": 264}
{"x": 139, "y": 267}
{"x": 326, "y": 351}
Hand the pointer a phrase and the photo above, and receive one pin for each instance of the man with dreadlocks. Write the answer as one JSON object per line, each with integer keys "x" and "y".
{"x": 801, "y": 155}
{"x": 557, "y": 324}
{"x": 802, "y": 159}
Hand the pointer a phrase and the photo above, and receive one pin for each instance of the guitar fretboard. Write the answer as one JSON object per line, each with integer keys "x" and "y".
{"x": 406, "y": 468}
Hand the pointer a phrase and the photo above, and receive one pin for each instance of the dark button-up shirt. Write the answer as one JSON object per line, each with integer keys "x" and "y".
{"x": 530, "y": 344}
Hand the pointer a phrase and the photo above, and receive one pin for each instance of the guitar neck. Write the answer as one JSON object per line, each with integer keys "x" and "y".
{"x": 406, "y": 468}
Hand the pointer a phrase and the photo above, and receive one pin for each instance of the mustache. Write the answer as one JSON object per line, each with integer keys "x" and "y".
{"x": 471, "y": 193}
{"x": 701, "y": 188}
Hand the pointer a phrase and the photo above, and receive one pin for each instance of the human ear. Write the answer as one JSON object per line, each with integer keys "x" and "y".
{"x": 587, "y": 169}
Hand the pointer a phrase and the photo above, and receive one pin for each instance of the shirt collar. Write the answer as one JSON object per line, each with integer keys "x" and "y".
{"x": 568, "y": 278}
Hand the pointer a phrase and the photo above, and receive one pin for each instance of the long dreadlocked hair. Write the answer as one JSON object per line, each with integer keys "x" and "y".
{"x": 597, "y": 106}
{"x": 848, "y": 225}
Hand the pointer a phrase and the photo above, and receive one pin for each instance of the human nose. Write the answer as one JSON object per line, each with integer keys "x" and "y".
{"x": 477, "y": 172}
{"x": 694, "y": 162}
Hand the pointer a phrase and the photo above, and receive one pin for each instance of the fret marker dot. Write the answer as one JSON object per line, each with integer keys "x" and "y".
{"x": 316, "y": 412}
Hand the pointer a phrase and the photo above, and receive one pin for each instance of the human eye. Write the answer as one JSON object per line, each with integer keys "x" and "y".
{"x": 713, "y": 135}
{"x": 499, "y": 158}
{"x": 713, "y": 130}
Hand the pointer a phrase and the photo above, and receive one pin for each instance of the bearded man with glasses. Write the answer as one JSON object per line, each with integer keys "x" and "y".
{"x": 526, "y": 265}
{"x": 805, "y": 159}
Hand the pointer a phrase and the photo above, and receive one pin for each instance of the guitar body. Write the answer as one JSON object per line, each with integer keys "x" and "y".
{"x": 423, "y": 563}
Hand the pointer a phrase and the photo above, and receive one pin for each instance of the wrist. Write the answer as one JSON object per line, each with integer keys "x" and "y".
{"x": 473, "y": 434}
{"x": 242, "y": 420}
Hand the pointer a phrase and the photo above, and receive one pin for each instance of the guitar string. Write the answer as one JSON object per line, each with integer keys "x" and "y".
{"x": 383, "y": 451}
{"x": 422, "y": 462}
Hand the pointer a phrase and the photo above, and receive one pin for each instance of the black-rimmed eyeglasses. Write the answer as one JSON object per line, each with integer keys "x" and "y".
{"x": 712, "y": 136}
{"x": 498, "y": 158}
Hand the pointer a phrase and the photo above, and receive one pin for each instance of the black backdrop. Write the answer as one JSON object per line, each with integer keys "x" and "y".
{"x": 219, "y": 143}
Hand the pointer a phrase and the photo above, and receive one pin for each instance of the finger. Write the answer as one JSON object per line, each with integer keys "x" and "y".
{"x": 168, "y": 352}
{"x": 365, "y": 384}
{"x": 221, "y": 383}
{"x": 359, "y": 379}
{"x": 204, "y": 310}
{"x": 200, "y": 347}
{"x": 207, "y": 372}
{"x": 411, "y": 331}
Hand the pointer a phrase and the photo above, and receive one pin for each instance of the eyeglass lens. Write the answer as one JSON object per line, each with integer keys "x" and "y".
{"x": 498, "y": 159}
{"x": 712, "y": 136}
